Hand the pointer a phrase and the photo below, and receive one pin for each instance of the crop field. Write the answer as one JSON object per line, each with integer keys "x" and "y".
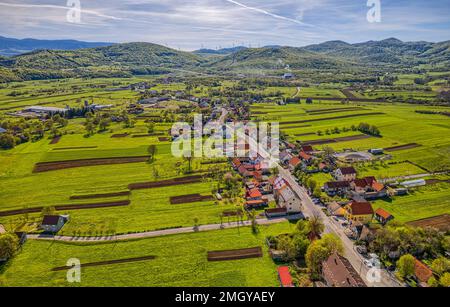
{"x": 422, "y": 203}
{"x": 399, "y": 125}
{"x": 180, "y": 260}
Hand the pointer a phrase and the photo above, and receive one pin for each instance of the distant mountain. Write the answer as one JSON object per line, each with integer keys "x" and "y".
{"x": 123, "y": 60}
{"x": 12, "y": 46}
{"x": 276, "y": 58}
{"x": 222, "y": 51}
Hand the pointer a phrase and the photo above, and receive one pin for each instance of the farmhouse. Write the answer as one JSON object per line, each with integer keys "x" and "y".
{"x": 275, "y": 212}
{"x": 383, "y": 216}
{"x": 335, "y": 209}
{"x": 53, "y": 223}
{"x": 308, "y": 149}
{"x": 288, "y": 76}
{"x": 338, "y": 272}
{"x": 345, "y": 174}
{"x": 285, "y": 276}
{"x": 359, "y": 212}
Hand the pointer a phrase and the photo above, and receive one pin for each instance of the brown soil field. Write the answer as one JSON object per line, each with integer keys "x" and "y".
{"x": 191, "y": 198}
{"x": 441, "y": 222}
{"x": 304, "y": 134}
{"x": 107, "y": 262}
{"x": 55, "y": 140}
{"x": 337, "y": 140}
{"x": 165, "y": 183}
{"x": 235, "y": 254}
{"x": 58, "y": 165}
{"x": 120, "y": 135}
{"x": 147, "y": 135}
{"x": 104, "y": 195}
{"x": 163, "y": 139}
{"x": 403, "y": 147}
{"x": 348, "y": 93}
{"x": 295, "y": 127}
{"x": 228, "y": 213}
{"x": 436, "y": 181}
{"x": 330, "y": 118}
{"x": 67, "y": 207}
{"x": 333, "y": 109}
{"x": 80, "y": 147}
{"x": 336, "y": 111}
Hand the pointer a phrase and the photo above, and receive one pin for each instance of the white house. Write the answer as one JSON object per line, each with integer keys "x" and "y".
{"x": 286, "y": 197}
{"x": 345, "y": 174}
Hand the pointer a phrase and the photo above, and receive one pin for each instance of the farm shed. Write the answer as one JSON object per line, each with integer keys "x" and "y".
{"x": 53, "y": 223}
{"x": 414, "y": 183}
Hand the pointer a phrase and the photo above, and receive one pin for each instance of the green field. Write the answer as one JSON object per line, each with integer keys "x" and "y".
{"x": 180, "y": 261}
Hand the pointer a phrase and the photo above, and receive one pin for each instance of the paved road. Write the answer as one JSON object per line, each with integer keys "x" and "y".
{"x": 160, "y": 233}
{"x": 331, "y": 226}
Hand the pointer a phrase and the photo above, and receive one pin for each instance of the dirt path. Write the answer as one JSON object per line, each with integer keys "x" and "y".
{"x": 159, "y": 233}
{"x": 296, "y": 93}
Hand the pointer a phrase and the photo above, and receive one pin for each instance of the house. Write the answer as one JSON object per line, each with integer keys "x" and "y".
{"x": 275, "y": 212}
{"x": 336, "y": 187}
{"x": 285, "y": 156}
{"x": 368, "y": 188}
{"x": 2, "y": 130}
{"x": 255, "y": 204}
{"x": 285, "y": 277}
{"x": 253, "y": 194}
{"x": 286, "y": 197}
{"x": 345, "y": 174}
{"x": 305, "y": 157}
{"x": 53, "y": 223}
{"x": 359, "y": 211}
{"x": 338, "y": 272}
{"x": 308, "y": 149}
{"x": 383, "y": 216}
{"x": 288, "y": 76}
{"x": 294, "y": 162}
{"x": 335, "y": 209}
{"x": 236, "y": 163}
{"x": 244, "y": 172}
{"x": 422, "y": 272}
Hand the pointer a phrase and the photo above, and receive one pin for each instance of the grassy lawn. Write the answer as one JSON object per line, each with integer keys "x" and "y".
{"x": 422, "y": 203}
{"x": 180, "y": 261}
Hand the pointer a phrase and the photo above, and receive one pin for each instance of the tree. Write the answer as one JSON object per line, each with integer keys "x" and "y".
{"x": 189, "y": 161}
{"x": 152, "y": 149}
{"x": 315, "y": 226}
{"x": 440, "y": 266}
{"x": 9, "y": 244}
{"x": 89, "y": 126}
{"x": 405, "y": 266}
{"x": 319, "y": 251}
{"x": 150, "y": 127}
{"x": 104, "y": 124}
{"x": 7, "y": 141}
{"x": 445, "y": 280}
{"x": 286, "y": 245}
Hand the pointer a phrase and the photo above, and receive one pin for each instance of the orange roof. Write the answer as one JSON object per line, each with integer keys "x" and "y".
{"x": 295, "y": 161}
{"x": 255, "y": 202}
{"x": 377, "y": 186}
{"x": 254, "y": 193}
{"x": 304, "y": 155}
{"x": 383, "y": 213}
{"x": 236, "y": 162}
{"x": 422, "y": 272}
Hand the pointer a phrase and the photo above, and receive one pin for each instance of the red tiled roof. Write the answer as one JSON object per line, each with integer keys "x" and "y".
{"x": 304, "y": 155}
{"x": 422, "y": 272}
{"x": 236, "y": 162}
{"x": 361, "y": 208}
{"x": 360, "y": 183}
{"x": 285, "y": 276}
{"x": 377, "y": 186}
{"x": 254, "y": 193}
{"x": 307, "y": 148}
{"x": 337, "y": 184}
{"x": 383, "y": 213}
{"x": 295, "y": 161}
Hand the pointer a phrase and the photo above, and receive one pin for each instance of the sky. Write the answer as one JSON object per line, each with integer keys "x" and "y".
{"x": 195, "y": 24}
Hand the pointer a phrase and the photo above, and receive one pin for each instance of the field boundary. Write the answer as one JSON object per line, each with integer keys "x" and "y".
{"x": 330, "y": 118}
{"x": 337, "y": 140}
{"x": 235, "y": 254}
{"x": 107, "y": 262}
{"x": 165, "y": 183}
{"x": 189, "y": 198}
{"x": 100, "y": 195}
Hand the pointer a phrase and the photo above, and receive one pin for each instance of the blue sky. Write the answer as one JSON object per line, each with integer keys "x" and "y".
{"x": 190, "y": 25}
